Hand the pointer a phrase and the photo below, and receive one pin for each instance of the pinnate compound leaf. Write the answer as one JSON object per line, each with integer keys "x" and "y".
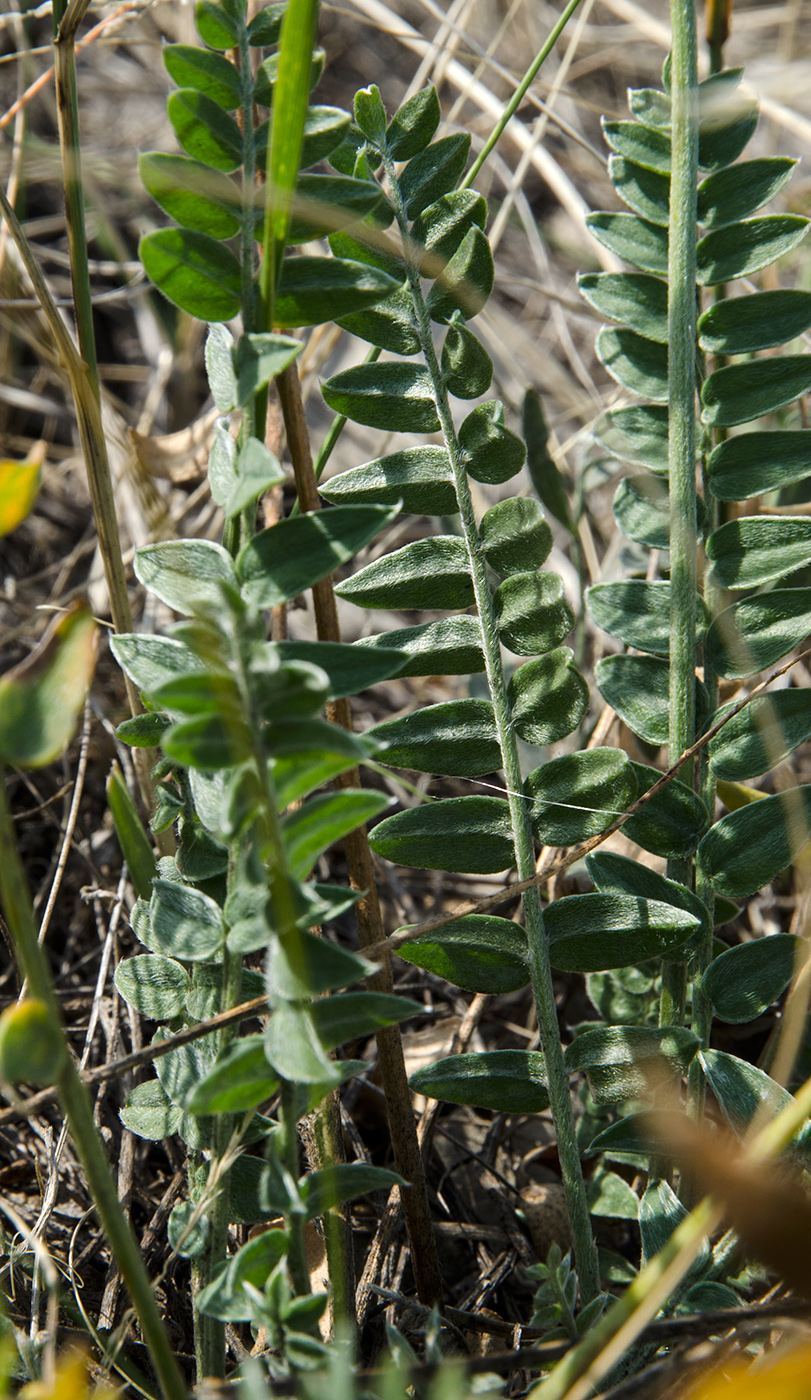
{"x": 133, "y": 840}
{"x": 509, "y": 1081}
{"x": 533, "y": 614}
{"x": 431, "y": 573}
{"x": 471, "y": 834}
{"x": 208, "y": 73}
{"x": 150, "y": 1113}
{"x": 648, "y": 146}
{"x": 548, "y": 697}
{"x": 420, "y": 479}
{"x": 738, "y": 393}
{"x": 636, "y": 240}
{"x": 647, "y": 192}
{"x": 154, "y": 985}
{"x": 184, "y": 923}
{"x": 42, "y": 697}
{"x": 759, "y": 549}
{"x": 397, "y": 397}
{"x": 204, "y": 130}
{"x": 752, "y": 464}
{"x": 599, "y": 782}
{"x": 492, "y": 453}
{"x": 594, "y": 932}
{"x": 744, "y": 981}
{"x": 288, "y": 558}
{"x": 514, "y": 535}
{"x": 637, "y": 434}
{"x": 761, "y": 735}
{"x": 465, "y": 364}
{"x": 738, "y": 250}
{"x": 451, "y": 647}
{"x": 413, "y": 125}
{"x": 740, "y": 325}
{"x": 433, "y": 172}
{"x": 756, "y": 633}
{"x": 633, "y": 298}
{"x": 322, "y": 820}
{"x": 352, "y": 1016}
{"x": 194, "y": 271}
{"x": 672, "y": 823}
{"x": 185, "y": 574}
{"x": 480, "y": 953}
{"x": 746, "y": 849}
{"x": 619, "y": 1062}
{"x": 737, "y": 192}
{"x": 239, "y": 1080}
{"x": 225, "y": 1297}
{"x": 457, "y": 737}
{"x": 465, "y": 282}
{"x": 637, "y": 687}
{"x": 637, "y": 364}
{"x": 312, "y": 290}
{"x": 348, "y": 669}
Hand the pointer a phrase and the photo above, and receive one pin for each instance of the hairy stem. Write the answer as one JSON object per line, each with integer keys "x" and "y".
{"x": 540, "y": 966}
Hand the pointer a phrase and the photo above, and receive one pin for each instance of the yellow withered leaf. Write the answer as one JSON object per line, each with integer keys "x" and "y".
{"x": 19, "y": 485}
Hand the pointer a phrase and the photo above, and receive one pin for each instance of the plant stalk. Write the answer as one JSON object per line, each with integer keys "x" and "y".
{"x": 540, "y": 967}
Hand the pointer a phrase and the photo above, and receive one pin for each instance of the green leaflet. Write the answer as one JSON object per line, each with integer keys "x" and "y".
{"x": 623, "y": 995}
{"x": 465, "y": 282}
{"x": 348, "y": 668}
{"x": 746, "y": 849}
{"x": 761, "y": 735}
{"x": 645, "y": 191}
{"x": 205, "y": 999}
{"x": 637, "y": 687}
{"x": 465, "y": 364}
{"x": 150, "y": 1113}
{"x": 533, "y": 614}
{"x": 633, "y": 298}
{"x": 636, "y": 434}
{"x": 636, "y": 612}
{"x": 599, "y": 781}
{"x": 136, "y": 847}
{"x": 300, "y": 966}
{"x": 393, "y": 396}
{"x": 433, "y": 172}
{"x": 637, "y": 364}
{"x": 204, "y": 130}
{"x": 743, "y": 982}
{"x": 647, "y": 146}
{"x": 149, "y": 661}
{"x": 294, "y": 1048}
{"x": 642, "y": 510}
{"x": 471, "y": 834}
{"x": 728, "y": 116}
{"x": 194, "y": 271}
{"x": 548, "y": 697}
{"x": 756, "y": 322}
{"x": 324, "y": 203}
{"x": 593, "y": 932}
{"x": 431, "y": 573}
{"x": 441, "y": 228}
{"x": 651, "y": 106}
{"x": 215, "y": 26}
{"x": 320, "y": 821}
{"x": 609, "y": 1195}
{"x": 739, "y": 393}
{"x": 389, "y": 324}
{"x": 183, "y": 923}
{"x": 759, "y": 549}
{"x": 208, "y": 742}
{"x": 514, "y": 535}
{"x": 413, "y": 125}
{"x": 288, "y": 558}
{"x": 154, "y": 985}
{"x": 330, "y": 1186}
{"x": 660, "y": 1213}
{"x": 239, "y": 1081}
{"x": 737, "y": 192}
{"x": 452, "y": 647}
{"x": 480, "y": 953}
{"x": 491, "y": 452}
{"x": 192, "y": 193}
{"x": 751, "y": 464}
{"x": 547, "y": 479}
{"x": 180, "y": 1069}
{"x": 457, "y": 737}
{"x": 742, "y": 1090}
{"x": 312, "y": 290}
{"x": 738, "y": 250}
{"x": 225, "y": 1297}
{"x": 420, "y": 479}
{"x": 757, "y": 632}
{"x": 620, "y": 1061}
{"x": 636, "y": 240}
{"x": 208, "y": 73}
{"x": 509, "y": 1081}
{"x": 350, "y": 1015}
{"x": 616, "y": 874}
{"x": 186, "y": 574}
{"x": 672, "y": 823}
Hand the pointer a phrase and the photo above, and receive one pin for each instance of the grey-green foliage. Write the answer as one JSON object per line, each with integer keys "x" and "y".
{"x": 744, "y": 850}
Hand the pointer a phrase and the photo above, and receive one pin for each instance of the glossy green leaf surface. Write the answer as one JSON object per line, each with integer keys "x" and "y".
{"x": 322, "y": 820}
{"x": 204, "y": 130}
{"x": 208, "y": 73}
{"x": 288, "y": 558}
{"x": 186, "y": 574}
{"x": 739, "y": 393}
{"x": 756, "y": 633}
{"x": 393, "y": 396}
{"x": 743, "y": 982}
{"x": 456, "y": 737}
{"x": 548, "y": 697}
{"x": 647, "y": 192}
{"x": 592, "y": 932}
{"x": 751, "y": 464}
{"x": 471, "y": 834}
{"x": 452, "y": 647}
{"x": 746, "y": 849}
{"x": 619, "y": 1062}
{"x": 492, "y": 453}
{"x": 761, "y": 735}
{"x": 633, "y": 298}
{"x": 194, "y": 271}
{"x": 636, "y": 240}
{"x": 738, "y": 250}
{"x": 637, "y": 434}
{"x": 759, "y": 549}
{"x": 509, "y": 1081}
{"x": 741, "y": 190}
{"x": 480, "y": 953}
{"x": 154, "y": 985}
{"x": 740, "y": 325}
{"x": 421, "y": 478}
{"x": 672, "y": 823}
{"x": 433, "y": 172}
{"x": 533, "y": 614}
{"x": 599, "y": 782}
{"x": 432, "y": 573}
{"x": 637, "y": 364}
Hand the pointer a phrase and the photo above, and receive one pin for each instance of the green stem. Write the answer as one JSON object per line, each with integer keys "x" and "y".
{"x": 540, "y": 966}
{"x": 288, "y": 1156}
{"x": 681, "y": 430}
{"x": 79, "y": 1113}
